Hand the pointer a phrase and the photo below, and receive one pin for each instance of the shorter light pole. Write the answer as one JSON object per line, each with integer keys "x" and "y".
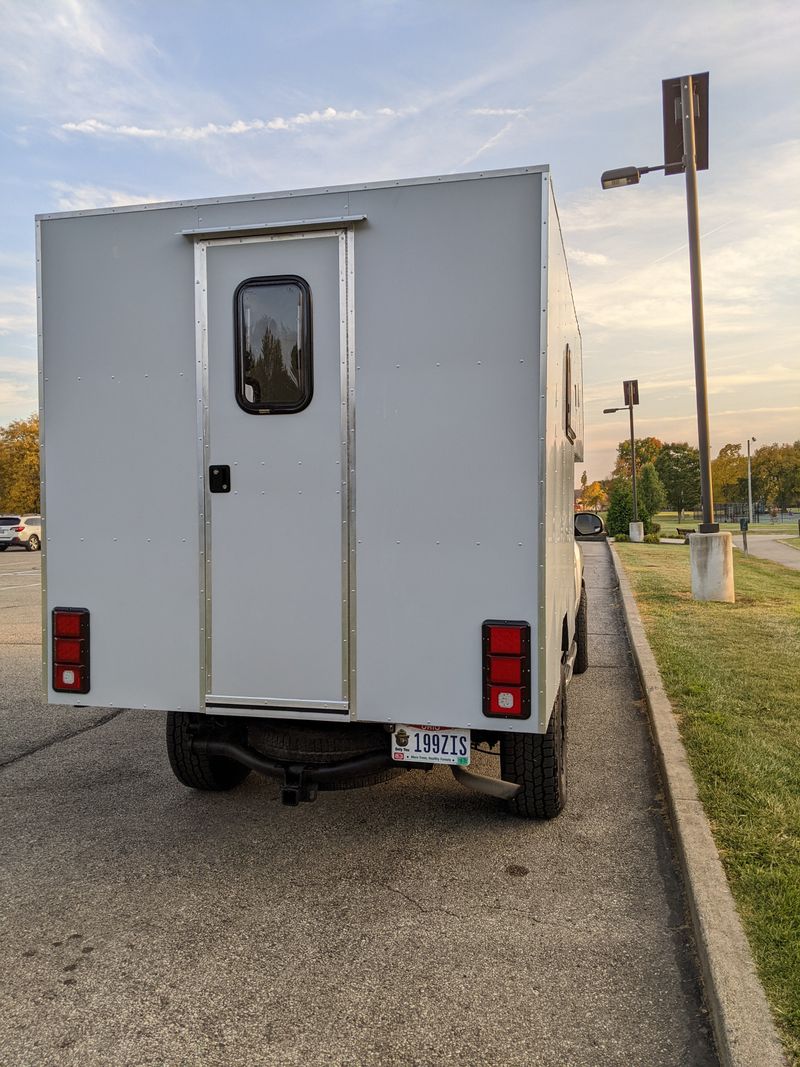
{"x": 749, "y": 481}
{"x": 630, "y": 391}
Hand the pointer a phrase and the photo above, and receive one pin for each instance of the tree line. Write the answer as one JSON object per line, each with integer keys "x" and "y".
{"x": 19, "y": 467}
{"x": 668, "y": 475}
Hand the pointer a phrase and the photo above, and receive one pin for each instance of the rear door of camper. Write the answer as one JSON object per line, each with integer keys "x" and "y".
{"x": 272, "y": 344}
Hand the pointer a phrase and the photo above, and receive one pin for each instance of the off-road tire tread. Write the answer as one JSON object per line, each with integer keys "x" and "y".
{"x": 209, "y": 773}
{"x": 533, "y": 760}
{"x": 582, "y": 635}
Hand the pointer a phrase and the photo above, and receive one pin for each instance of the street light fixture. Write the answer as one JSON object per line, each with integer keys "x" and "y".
{"x": 613, "y": 179}
{"x": 685, "y": 116}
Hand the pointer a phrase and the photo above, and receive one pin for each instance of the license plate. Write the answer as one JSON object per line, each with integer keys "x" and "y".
{"x": 430, "y": 744}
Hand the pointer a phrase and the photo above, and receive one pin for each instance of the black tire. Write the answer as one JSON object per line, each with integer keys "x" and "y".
{"x": 322, "y": 743}
{"x": 538, "y": 762}
{"x": 33, "y": 543}
{"x": 3, "y": 548}
{"x": 195, "y": 769}
{"x": 582, "y": 634}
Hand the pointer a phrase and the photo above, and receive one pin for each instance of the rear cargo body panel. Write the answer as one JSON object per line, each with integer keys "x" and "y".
{"x": 448, "y": 322}
{"x": 446, "y": 409}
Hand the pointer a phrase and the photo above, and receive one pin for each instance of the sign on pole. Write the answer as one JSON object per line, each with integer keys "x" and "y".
{"x": 630, "y": 390}
{"x": 673, "y": 123}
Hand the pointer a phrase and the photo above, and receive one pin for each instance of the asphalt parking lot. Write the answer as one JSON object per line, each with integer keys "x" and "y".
{"x": 413, "y": 923}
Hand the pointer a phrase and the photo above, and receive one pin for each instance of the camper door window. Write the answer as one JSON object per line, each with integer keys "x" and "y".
{"x": 273, "y": 345}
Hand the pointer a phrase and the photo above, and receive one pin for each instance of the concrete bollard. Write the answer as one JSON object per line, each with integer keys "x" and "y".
{"x": 711, "y": 556}
{"x": 636, "y": 531}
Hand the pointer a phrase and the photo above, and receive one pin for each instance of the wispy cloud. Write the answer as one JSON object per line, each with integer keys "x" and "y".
{"x": 778, "y": 374}
{"x": 96, "y": 127}
{"x": 78, "y": 45}
{"x": 18, "y": 397}
{"x": 499, "y": 111}
{"x": 588, "y": 259}
{"x": 487, "y": 145}
{"x": 17, "y": 309}
{"x": 85, "y": 197}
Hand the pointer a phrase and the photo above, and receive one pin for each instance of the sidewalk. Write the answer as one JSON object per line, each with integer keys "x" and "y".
{"x": 765, "y": 546}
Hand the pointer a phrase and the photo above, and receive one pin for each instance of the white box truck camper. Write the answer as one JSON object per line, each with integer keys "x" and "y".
{"x": 308, "y": 474}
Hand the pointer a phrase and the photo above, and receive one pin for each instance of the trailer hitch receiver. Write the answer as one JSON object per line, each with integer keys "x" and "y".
{"x": 296, "y": 788}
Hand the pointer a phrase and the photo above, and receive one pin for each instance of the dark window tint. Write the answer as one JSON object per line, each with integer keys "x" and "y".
{"x": 9, "y": 520}
{"x": 273, "y": 345}
{"x": 568, "y": 413}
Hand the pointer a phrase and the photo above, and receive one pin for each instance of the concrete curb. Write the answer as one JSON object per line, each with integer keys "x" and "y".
{"x": 740, "y": 1016}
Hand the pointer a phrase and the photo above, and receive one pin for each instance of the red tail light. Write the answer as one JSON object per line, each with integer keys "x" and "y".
{"x": 507, "y": 669}
{"x": 71, "y": 650}
{"x": 18, "y": 529}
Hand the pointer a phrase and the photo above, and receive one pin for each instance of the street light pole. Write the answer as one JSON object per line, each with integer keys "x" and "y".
{"x": 690, "y": 165}
{"x": 749, "y": 481}
{"x": 686, "y": 149}
{"x": 633, "y": 468}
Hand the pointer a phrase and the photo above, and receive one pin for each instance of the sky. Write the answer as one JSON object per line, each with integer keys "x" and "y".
{"x": 105, "y": 103}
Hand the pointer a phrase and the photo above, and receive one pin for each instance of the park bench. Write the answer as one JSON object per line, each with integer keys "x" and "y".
{"x": 684, "y": 531}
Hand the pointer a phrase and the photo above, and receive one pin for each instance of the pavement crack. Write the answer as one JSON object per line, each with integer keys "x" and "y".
{"x": 417, "y": 904}
{"x": 476, "y": 909}
{"x": 59, "y": 740}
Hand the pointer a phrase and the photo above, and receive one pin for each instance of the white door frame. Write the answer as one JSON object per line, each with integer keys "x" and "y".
{"x": 289, "y": 708}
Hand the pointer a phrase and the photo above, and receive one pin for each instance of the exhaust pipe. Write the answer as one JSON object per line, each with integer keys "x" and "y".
{"x": 492, "y": 787}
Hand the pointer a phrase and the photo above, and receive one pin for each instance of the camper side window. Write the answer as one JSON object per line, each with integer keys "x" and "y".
{"x": 568, "y": 406}
{"x": 273, "y": 345}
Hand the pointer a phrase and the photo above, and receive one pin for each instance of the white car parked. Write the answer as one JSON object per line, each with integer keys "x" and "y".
{"x": 25, "y": 531}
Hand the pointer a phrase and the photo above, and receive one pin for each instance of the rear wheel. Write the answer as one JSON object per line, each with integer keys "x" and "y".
{"x": 195, "y": 768}
{"x": 33, "y": 544}
{"x": 538, "y": 763}
{"x": 582, "y": 635}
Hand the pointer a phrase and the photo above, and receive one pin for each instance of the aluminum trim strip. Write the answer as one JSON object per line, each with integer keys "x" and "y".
{"x": 42, "y": 380}
{"x": 250, "y": 712}
{"x": 257, "y": 228}
{"x": 351, "y": 469}
{"x": 541, "y": 629}
{"x": 344, "y": 464}
{"x": 346, "y": 433}
{"x": 303, "y": 235}
{"x": 276, "y": 702}
{"x": 289, "y": 194}
{"x": 204, "y": 508}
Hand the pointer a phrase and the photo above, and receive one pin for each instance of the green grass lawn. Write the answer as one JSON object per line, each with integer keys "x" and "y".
{"x": 793, "y": 541}
{"x": 732, "y": 672}
{"x": 669, "y": 522}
